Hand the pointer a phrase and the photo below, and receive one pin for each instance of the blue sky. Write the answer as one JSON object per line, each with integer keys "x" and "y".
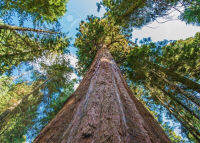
{"x": 78, "y": 10}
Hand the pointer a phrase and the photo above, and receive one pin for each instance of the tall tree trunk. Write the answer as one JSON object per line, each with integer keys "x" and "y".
{"x": 103, "y": 110}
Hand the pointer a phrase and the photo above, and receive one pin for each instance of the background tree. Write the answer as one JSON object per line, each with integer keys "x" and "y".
{"x": 190, "y": 14}
{"x": 20, "y": 106}
{"x": 25, "y": 47}
{"x": 17, "y": 47}
{"x": 170, "y": 74}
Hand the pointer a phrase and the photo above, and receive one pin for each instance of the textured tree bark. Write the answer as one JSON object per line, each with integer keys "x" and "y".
{"x": 103, "y": 110}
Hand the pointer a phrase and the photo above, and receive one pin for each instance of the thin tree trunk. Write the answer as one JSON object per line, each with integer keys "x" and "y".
{"x": 177, "y": 77}
{"x": 181, "y": 119}
{"x": 178, "y": 89}
{"x": 103, "y": 110}
{"x": 177, "y": 101}
{"x": 9, "y": 27}
{"x": 172, "y": 75}
{"x": 9, "y": 113}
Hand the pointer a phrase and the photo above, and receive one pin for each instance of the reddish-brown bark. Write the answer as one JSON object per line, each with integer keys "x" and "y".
{"x": 103, "y": 110}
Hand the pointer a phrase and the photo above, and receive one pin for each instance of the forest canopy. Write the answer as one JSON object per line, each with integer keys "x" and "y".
{"x": 36, "y": 74}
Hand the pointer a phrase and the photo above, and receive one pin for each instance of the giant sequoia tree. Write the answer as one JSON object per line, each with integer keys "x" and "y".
{"x": 139, "y": 64}
{"x": 103, "y": 108}
{"x": 122, "y": 80}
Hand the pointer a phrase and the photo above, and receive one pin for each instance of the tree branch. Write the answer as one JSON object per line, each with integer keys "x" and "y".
{"x": 8, "y": 27}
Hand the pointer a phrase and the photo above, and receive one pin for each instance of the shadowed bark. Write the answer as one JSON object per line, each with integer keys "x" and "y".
{"x": 103, "y": 110}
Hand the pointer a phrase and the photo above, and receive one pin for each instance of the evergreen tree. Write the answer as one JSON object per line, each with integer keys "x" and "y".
{"x": 103, "y": 108}
{"x": 20, "y": 99}
{"x": 17, "y": 47}
{"x": 170, "y": 74}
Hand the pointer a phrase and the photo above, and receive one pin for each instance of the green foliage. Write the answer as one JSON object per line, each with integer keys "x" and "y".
{"x": 157, "y": 68}
{"x": 20, "y": 101}
{"x": 183, "y": 57}
{"x": 96, "y": 33}
{"x": 191, "y": 13}
{"x": 17, "y": 47}
{"x": 136, "y": 13}
{"x": 17, "y": 112}
{"x": 11, "y": 93}
{"x": 38, "y": 10}
{"x": 50, "y": 86}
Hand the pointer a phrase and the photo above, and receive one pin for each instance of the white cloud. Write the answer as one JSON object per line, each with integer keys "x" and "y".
{"x": 73, "y": 60}
{"x": 51, "y": 59}
{"x": 74, "y": 76}
{"x": 173, "y": 29}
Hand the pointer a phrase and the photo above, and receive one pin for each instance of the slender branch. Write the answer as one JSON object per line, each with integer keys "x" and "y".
{"x": 8, "y": 27}
{"x": 172, "y": 96}
{"x": 161, "y": 22}
{"x": 177, "y": 9}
